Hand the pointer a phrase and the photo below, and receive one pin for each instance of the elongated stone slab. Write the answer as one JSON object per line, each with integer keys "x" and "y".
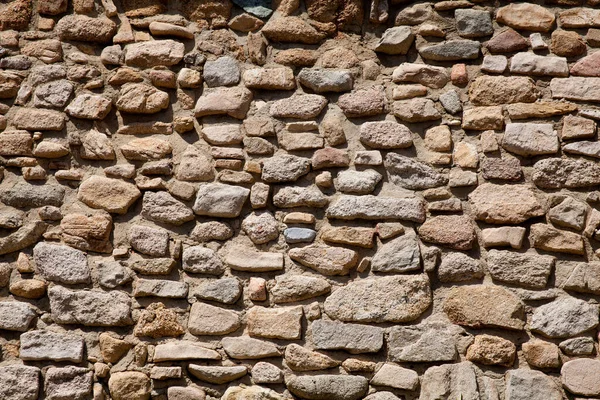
{"x": 375, "y": 207}
{"x": 576, "y": 88}
{"x": 46, "y": 345}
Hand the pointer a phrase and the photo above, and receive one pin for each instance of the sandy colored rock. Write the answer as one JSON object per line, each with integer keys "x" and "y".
{"x": 112, "y": 195}
{"x": 511, "y": 204}
{"x": 526, "y": 16}
{"x": 448, "y": 230}
{"x": 129, "y": 385}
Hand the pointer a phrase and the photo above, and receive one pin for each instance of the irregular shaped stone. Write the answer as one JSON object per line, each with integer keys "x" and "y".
{"x": 61, "y": 263}
{"x": 473, "y": 23}
{"x": 428, "y": 75}
{"x": 396, "y": 40}
{"x": 293, "y": 288}
{"x": 249, "y": 392}
{"x": 275, "y": 323}
{"x": 498, "y": 90}
{"x": 129, "y": 385}
{"x": 284, "y": 168}
{"x": 234, "y": 102}
{"x": 458, "y": 267}
{"x": 112, "y": 195}
{"x": 198, "y": 259}
{"x": 452, "y": 50}
{"x": 89, "y": 308}
{"x": 154, "y": 53}
{"x": 581, "y": 277}
{"x": 416, "y": 110}
{"x": 353, "y": 338}
{"x": 579, "y": 377}
{"x": 159, "y": 288}
{"x": 328, "y": 387}
{"x": 450, "y": 381}
{"x": 363, "y": 102}
{"x": 226, "y": 290}
{"x": 577, "y": 17}
{"x": 454, "y": 231}
{"x": 261, "y": 227}
{"x": 162, "y": 207}
{"x": 398, "y": 255}
{"x": 523, "y": 269}
{"x": 45, "y": 345}
{"x": 241, "y": 258}
{"x": 580, "y": 346}
{"x": 483, "y": 118}
{"x": 526, "y": 16}
{"x": 507, "y": 41}
{"x": 374, "y": 300}
{"x": 298, "y": 358}
{"x": 532, "y": 64}
{"x": 86, "y": 29}
{"x": 426, "y": 342}
{"x": 410, "y": 174}
{"x": 96, "y": 146}
{"x": 522, "y": 384}
{"x": 512, "y": 204}
{"x": 556, "y": 173}
{"x": 19, "y": 382}
{"x": 217, "y": 374}
{"x": 480, "y": 306}
{"x": 15, "y": 316}
{"x": 325, "y": 259}
{"x": 564, "y": 317}
{"x": 206, "y": 319}
{"x": 53, "y": 94}
{"x": 374, "y": 207}
{"x": 219, "y": 200}
{"x": 140, "y": 98}
{"x": 16, "y": 143}
{"x": 385, "y": 135}
{"x": 300, "y": 106}
{"x": 245, "y": 348}
{"x": 294, "y": 196}
{"x": 548, "y": 238}
{"x": 394, "y": 376}
{"x": 224, "y": 71}
{"x": 150, "y": 241}
{"x": 357, "y": 182}
{"x": 527, "y": 139}
{"x": 540, "y": 109}
{"x": 291, "y": 29}
{"x": 541, "y": 354}
{"x": 587, "y": 66}
{"x": 567, "y": 44}
{"x": 492, "y": 350}
{"x": 183, "y": 350}
{"x": 326, "y": 80}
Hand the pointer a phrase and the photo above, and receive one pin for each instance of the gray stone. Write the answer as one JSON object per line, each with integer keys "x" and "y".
{"x": 371, "y": 207}
{"x": 183, "y": 350}
{"x": 411, "y": 174}
{"x": 580, "y": 346}
{"x": 90, "y": 308}
{"x": 556, "y": 173}
{"x": 162, "y": 207}
{"x": 576, "y": 88}
{"x": 569, "y": 213}
{"x": 150, "y": 241}
{"x": 400, "y": 298}
{"x": 392, "y": 375}
{"x": 11, "y": 218}
{"x": 564, "y": 317}
{"x": 217, "y": 374}
{"x": 264, "y": 372}
{"x": 326, "y": 80}
{"x": 451, "y": 102}
{"x": 68, "y": 383}
{"x": 458, "y": 267}
{"x": 27, "y": 195}
{"x": 452, "y": 50}
{"x": 293, "y": 288}
{"x": 284, "y": 168}
{"x": 353, "y": 338}
{"x": 399, "y": 255}
{"x": 220, "y": 200}
{"x": 416, "y": 110}
{"x": 426, "y": 342}
{"x": 299, "y": 235}
{"x": 450, "y": 381}
{"x": 245, "y": 348}
{"x": 396, "y": 40}
{"x": 61, "y": 263}
{"x": 529, "y": 270}
{"x": 296, "y": 196}
{"x": 537, "y": 65}
{"x": 53, "y": 94}
{"x": 160, "y": 288}
{"x": 15, "y": 316}
{"x": 225, "y": 290}
{"x": 357, "y": 182}
{"x": 585, "y": 148}
{"x": 19, "y": 382}
{"x": 23, "y": 237}
{"x": 527, "y": 139}
{"x": 260, "y": 8}
{"x": 112, "y": 274}
{"x": 210, "y": 320}
{"x": 382, "y": 396}
{"x": 224, "y": 71}
{"x": 473, "y": 23}
{"x": 328, "y": 387}
{"x": 46, "y": 345}
{"x": 198, "y": 259}
{"x": 385, "y": 135}
{"x": 524, "y": 384}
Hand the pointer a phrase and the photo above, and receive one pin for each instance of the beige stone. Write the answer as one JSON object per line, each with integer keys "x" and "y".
{"x": 492, "y": 350}
{"x": 275, "y": 323}
{"x": 112, "y": 195}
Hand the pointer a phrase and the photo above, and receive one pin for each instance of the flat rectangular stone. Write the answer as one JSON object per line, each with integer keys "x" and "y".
{"x": 183, "y": 350}
{"x": 33, "y": 119}
{"x": 354, "y": 338}
{"x": 163, "y": 373}
{"x": 160, "y": 288}
{"x": 373, "y": 207}
{"x": 16, "y": 143}
{"x": 19, "y": 382}
{"x": 527, "y": 139}
{"x": 532, "y": 64}
{"x": 46, "y": 345}
{"x": 576, "y": 88}
{"x": 241, "y": 258}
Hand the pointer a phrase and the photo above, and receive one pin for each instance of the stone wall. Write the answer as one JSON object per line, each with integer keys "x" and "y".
{"x": 318, "y": 199}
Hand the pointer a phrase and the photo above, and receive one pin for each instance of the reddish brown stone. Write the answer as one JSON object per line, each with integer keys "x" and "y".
{"x": 507, "y": 41}
{"x": 567, "y": 44}
{"x": 15, "y": 15}
{"x": 459, "y": 76}
{"x": 330, "y": 157}
{"x": 587, "y": 66}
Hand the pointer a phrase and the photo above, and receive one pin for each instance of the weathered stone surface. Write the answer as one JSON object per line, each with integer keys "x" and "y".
{"x": 578, "y": 377}
{"x": 454, "y": 231}
{"x": 510, "y": 204}
{"x": 492, "y": 350}
{"x": 129, "y": 385}
{"x": 35, "y": 119}
{"x": 398, "y": 255}
{"x": 531, "y": 64}
{"x": 198, "y": 259}
{"x": 496, "y": 90}
{"x": 363, "y": 102}
{"x": 485, "y": 306}
{"x": 483, "y": 118}
{"x": 426, "y": 342}
{"x": 394, "y": 376}
{"x": 224, "y": 71}
{"x": 45, "y": 345}
{"x": 210, "y": 320}
{"x": 526, "y": 16}
{"x": 15, "y": 316}
{"x": 374, "y": 207}
{"x": 154, "y": 53}
{"x": 522, "y": 269}
{"x": 68, "y": 382}
{"x": 86, "y": 29}
{"x": 428, "y": 75}
{"x": 61, "y": 263}
{"x": 19, "y": 382}
{"x": 217, "y": 374}
{"x": 159, "y": 288}
{"x": 450, "y": 381}
{"x": 458, "y": 267}
{"x": 162, "y": 207}
{"x": 540, "y": 109}
{"x": 541, "y": 354}
{"x": 333, "y": 387}
{"x": 564, "y": 317}
{"x": 527, "y": 139}
{"x": 298, "y": 358}
{"x": 473, "y": 23}
{"x": 373, "y": 300}
{"x": 452, "y": 50}
{"x": 244, "y": 348}
{"x": 416, "y": 110}
{"x": 529, "y": 384}
{"x": 112, "y": 195}
{"x": 248, "y": 392}
{"x": 578, "y": 276}
{"x": 291, "y": 29}
{"x": 396, "y": 40}
{"x": 150, "y": 241}
{"x": 327, "y": 260}
{"x": 548, "y": 238}
{"x": 326, "y": 80}
{"x": 139, "y": 98}
{"x": 89, "y": 308}
{"x": 234, "y": 102}
{"x": 219, "y": 200}
{"x": 261, "y": 227}
{"x": 411, "y": 174}
{"x": 357, "y": 182}
{"x": 183, "y": 350}
{"x": 300, "y": 106}
{"x": 353, "y": 338}
{"x": 241, "y": 258}
{"x": 555, "y": 173}
{"x": 226, "y": 290}
{"x": 275, "y": 323}
{"x": 293, "y": 288}
{"x": 285, "y": 168}
{"x": 23, "y": 237}
{"x": 580, "y": 346}
{"x": 385, "y": 135}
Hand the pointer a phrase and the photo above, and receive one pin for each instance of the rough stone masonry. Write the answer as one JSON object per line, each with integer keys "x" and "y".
{"x": 317, "y": 199}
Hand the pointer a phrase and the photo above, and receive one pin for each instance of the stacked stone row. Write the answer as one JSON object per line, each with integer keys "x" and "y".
{"x": 319, "y": 200}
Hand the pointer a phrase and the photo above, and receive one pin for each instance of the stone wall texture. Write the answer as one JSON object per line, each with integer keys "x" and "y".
{"x": 317, "y": 199}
